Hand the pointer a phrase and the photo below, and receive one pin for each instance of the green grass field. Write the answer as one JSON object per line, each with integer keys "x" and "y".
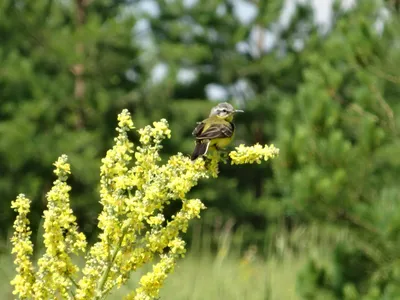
{"x": 199, "y": 278}
{"x": 226, "y": 275}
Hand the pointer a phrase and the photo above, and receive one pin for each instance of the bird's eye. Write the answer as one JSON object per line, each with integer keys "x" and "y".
{"x": 224, "y": 110}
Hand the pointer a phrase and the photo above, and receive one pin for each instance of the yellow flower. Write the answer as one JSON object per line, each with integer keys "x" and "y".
{"x": 151, "y": 282}
{"x": 125, "y": 121}
{"x": 23, "y": 249}
{"x": 253, "y": 154}
{"x": 135, "y": 188}
{"x": 61, "y": 238}
{"x": 62, "y": 169}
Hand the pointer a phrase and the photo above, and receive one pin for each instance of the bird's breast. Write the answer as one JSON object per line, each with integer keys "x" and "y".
{"x": 220, "y": 142}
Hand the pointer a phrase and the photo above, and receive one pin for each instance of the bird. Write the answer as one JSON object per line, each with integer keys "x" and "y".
{"x": 216, "y": 131}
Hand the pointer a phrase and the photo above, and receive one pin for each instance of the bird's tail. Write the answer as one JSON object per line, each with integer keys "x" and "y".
{"x": 200, "y": 149}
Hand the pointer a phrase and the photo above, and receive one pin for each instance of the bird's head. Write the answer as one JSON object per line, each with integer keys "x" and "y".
{"x": 224, "y": 111}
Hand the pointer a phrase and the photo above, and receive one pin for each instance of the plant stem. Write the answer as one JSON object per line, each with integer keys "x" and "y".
{"x": 103, "y": 279}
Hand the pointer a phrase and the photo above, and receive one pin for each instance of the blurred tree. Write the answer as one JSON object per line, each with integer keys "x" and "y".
{"x": 338, "y": 138}
{"x": 63, "y": 77}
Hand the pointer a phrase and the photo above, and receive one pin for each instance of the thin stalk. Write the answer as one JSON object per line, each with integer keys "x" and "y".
{"x": 73, "y": 281}
{"x": 103, "y": 279}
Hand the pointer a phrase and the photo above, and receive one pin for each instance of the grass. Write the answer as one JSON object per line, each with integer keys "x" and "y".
{"x": 6, "y": 274}
{"x": 201, "y": 277}
{"x": 226, "y": 274}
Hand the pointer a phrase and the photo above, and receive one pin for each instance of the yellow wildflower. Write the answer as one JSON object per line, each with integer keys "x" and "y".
{"x": 23, "y": 249}
{"x": 253, "y": 154}
{"x": 151, "y": 282}
{"x": 61, "y": 238}
{"x": 135, "y": 187}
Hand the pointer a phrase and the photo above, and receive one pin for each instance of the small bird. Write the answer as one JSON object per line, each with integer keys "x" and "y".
{"x": 216, "y": 131}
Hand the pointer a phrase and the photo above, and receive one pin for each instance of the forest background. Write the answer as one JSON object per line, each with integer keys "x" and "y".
{"x": 321, "y": 221}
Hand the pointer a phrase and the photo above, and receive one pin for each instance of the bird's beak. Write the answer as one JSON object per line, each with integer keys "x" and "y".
{"x": 238, "y": 110}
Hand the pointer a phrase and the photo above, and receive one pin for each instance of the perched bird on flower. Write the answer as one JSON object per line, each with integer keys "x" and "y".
{"x": 216, "y": 131}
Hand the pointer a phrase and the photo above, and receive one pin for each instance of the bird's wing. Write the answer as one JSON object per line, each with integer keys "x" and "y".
{"x": 214, "y": 131}
{"x": 198, "y": 129}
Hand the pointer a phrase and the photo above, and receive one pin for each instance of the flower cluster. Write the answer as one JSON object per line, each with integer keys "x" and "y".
{"x": 135, "y": 188}
{"x": 61, "y": 238}
{"x": 23, "y": 249}
{"x": 56, "y": 271}
{"x": 253, "y": 154}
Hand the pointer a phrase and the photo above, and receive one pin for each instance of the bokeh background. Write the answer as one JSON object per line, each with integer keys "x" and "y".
{"x": 319, "y": 79}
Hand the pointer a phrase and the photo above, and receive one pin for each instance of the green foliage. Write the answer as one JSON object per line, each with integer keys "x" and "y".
{"x": 333, "y": 130}
{"x": 336, "y": 166}
{"x": 62, "y": 81}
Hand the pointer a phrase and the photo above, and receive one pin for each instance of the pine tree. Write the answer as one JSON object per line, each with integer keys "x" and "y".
{"x": 63, "y": 79}
{"x": 337, "y": 167}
